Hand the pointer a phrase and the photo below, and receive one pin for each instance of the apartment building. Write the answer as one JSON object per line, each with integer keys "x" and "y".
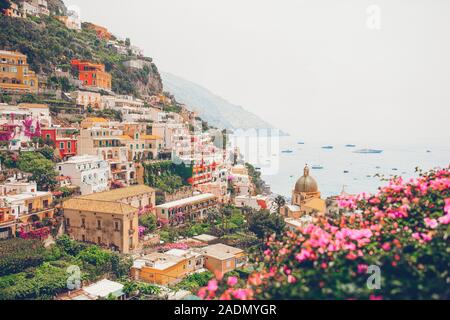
{"x": 15, "y": 73}
{"x": 92, "y": 74}
{"x": 194, "y": 208}
{"x": 90, "y": 173}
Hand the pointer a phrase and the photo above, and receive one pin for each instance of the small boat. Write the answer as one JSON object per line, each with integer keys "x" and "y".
{"x": 377, "y": 167}
{"x": 368, "y": 151}
{"x": 428, "y": 151}
{"x": 287, "y": 151}
{"x": 300, "y": 142}
{"x": 394, "y": 169}
{"x": 317, "y": 167}
{"x": 327, "y": 147}
{"x": 350, "y": 145}
{"x": 346, "y": 171}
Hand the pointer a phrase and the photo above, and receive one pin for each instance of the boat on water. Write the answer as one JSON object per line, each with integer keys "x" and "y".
{"x": 317, "y": 167}
{"x": 368, "y": 151}
{"x": 350, "y": 145}
{"x": 346, "y": 171}
{"x": 300, "y": 142}
{"x": 428, "y": 151}
{"x": 327, "y": 147}
{"x": 287, "y": 151}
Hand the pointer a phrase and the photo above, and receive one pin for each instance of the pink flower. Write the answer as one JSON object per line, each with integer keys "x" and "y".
{"x": 386, "y": 246}
{"x": 447, "y": 206}
{"x": 431, "y": 223}
{"x": 445, "y": 219}
{"x": 240, "y": 294}
{"x": 291, "y": 279}
{"x": 212, "y": 285}
{"x": 232, "y": 281}
{"x": 201, "y": 293}
{"x": 374, "y": 297}
{"x": 362, "y": 268}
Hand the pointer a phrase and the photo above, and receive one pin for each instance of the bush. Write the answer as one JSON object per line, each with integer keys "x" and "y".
{"x": 18, "y": 255}
{"x": 194, "y": 281}
{"x": 402, "y": 230}
{"x": 149, "y": 222}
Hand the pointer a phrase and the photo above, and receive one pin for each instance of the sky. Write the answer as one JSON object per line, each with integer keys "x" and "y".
{"x": 354, "y": 71}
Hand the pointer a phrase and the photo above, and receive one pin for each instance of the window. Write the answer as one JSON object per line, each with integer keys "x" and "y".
{"x": 61, "y": 145}
{"x": 83, "y": 238}
{"x": 69, "y": 145}
{"x": 99, "y": 240}
{"x": 116, "y": 226}
{"x": 99, "y": 224}
{"x": 45, "y": 203}
{"x": 83, "y": 222}
{"x": 68, "y": 222}
{"x": 228, "y": 264}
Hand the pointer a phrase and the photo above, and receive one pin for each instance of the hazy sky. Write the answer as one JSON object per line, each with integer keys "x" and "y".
{"x": 312, "y": 67}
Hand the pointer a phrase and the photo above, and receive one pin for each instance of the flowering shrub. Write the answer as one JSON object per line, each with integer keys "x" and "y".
{"x": 403, "y": 230}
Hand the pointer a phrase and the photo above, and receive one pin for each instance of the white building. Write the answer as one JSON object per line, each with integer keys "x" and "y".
{"x": 258, "y": 202}
{"x": 90, "y": 173}
{"x": 87, "y": 99}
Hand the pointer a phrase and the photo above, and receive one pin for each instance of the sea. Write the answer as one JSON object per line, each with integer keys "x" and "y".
{"x": 343, "y": 169}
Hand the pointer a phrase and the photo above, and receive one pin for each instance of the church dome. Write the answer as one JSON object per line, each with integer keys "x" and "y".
{"x": 306, "y": 183}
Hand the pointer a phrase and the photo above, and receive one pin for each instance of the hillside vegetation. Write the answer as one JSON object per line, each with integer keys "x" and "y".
{"x": 49, "y": 44}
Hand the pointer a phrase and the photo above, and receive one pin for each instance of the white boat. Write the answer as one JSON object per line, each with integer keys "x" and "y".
{"x": 368, "y": 151}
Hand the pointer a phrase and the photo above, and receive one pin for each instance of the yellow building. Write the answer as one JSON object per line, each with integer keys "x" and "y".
{"x": 160, "y": 268}
{"x": 306, "y": 198}
{"x": 15, "y": 74}
{"x": 106, "y": 223}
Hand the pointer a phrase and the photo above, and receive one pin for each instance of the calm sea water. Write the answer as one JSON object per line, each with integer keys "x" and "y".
{"x": 361, "y": 167}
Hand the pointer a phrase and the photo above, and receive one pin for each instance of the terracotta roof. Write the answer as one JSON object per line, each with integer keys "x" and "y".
{"x": 124, "y": 137}
{"x": 119, "y": 194}
{"x": 33, "y": 105}
{"x": 95, "y": 119}
{"x": 150, "y": 137}
{"x": 99, "y": 206}
{"x": 220, "y": 251}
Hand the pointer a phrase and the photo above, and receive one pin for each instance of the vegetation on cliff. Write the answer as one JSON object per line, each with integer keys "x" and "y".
{"x": 50, "y": 45}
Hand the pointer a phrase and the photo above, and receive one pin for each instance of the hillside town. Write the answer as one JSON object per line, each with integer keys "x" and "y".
{"x": 111, "y": 189}
{"x": 138, "y": 175}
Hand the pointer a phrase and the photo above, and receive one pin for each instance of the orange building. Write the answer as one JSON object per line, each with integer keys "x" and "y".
{"x": 220, "y": 258}
{"x": 92, "y": 74}
{"x": 101, "y": 32}
{"x": 160, "y": 268}
{"x": 15, "y": 74}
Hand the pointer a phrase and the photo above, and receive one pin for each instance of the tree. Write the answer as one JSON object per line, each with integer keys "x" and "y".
{"x": 127, "y": 42}
{"x": 48, "y": 152}
{"x": 279, "y": 201}
{"x": 42, "y": 170}
{"x": 263, "y": 224}
{"x": 4, "y": 4}
{"x": 149, "y": 222}
{"x": 226, "y": 212}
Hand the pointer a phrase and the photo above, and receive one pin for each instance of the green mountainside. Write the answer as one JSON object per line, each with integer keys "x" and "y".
{"x": 49, "y": 45}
